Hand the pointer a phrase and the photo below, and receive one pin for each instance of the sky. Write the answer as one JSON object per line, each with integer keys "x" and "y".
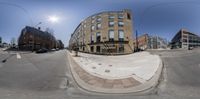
{"x": 156, "y": 17}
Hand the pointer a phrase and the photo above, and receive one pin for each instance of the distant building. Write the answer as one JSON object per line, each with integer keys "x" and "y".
{"x": 142, "y": 42}
{"x": 184, "y": 39}
{"x": 156, "y": 42}
{"x": 150, "y": 42}
{"x": 34, "y": 39}
{"x": 108, "y": 32}
{"x": 60, "y": 44}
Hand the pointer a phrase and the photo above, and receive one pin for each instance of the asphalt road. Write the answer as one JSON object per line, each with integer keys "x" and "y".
{"x": 47, "y": 76}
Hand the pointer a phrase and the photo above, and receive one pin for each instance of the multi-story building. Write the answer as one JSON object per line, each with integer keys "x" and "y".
{"x": 34, "y": 39}
{"x": 156, "y": 42}
{"x": 150, "y": 42}
{"x": 184, "y": 39}
{"x": 104, "y": 33}
{"x": 59, "y": 44}
{"x": 142, "y": 42}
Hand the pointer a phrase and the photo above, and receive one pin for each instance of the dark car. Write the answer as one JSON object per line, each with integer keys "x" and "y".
{"x": 42, "y": 50}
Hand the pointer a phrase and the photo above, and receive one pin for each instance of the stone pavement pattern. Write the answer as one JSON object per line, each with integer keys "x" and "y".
{"x": 93, "y": 81}
{"x": 105, "y": 83}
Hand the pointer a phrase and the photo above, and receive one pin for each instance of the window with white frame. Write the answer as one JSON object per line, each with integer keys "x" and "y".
{"x": 121, "y": 35}
{"x": 111, "y": 35}
{"x": 92, "y": 27}
{"x": 98, "y": 26}
{"x": 92, "y": 38}
{"x": 111, "y": 23}
{"x": 120, "y": 23}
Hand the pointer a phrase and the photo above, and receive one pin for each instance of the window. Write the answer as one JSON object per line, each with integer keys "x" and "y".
{"x": 111, "y": 23}
{"x": 92, "y": 38}
{"x": 111, "y": 17}
{"x": 93, "y": 27}
{"x": 93, "y": 21}
{"x": 121, "y": 35}
{"x": 111, "y": 35}
{"x": 120, "y": 23}
{"x": 98, "y": 37}
{"x": 84, "y": 26}
{"x": 98, "y": 26}
{"x": 120, "y": 16}
{"x": 99, "y": 19}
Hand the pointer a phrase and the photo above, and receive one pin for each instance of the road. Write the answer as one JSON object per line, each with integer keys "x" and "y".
{"x": 45, "y": 76}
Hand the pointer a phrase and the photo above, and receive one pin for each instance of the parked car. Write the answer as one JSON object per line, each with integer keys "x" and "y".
{"x": 190, "y": 48}
{"x": 42, "y": 50}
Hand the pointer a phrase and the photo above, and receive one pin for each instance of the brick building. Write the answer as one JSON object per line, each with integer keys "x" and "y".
{"x": 142, "y": 42}
{"x": 104, "y": 33}
{"x": 150, "y": 42}
{"x": 34, "y": 39}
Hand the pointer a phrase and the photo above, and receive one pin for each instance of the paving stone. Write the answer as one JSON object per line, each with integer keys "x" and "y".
{"x": 135, "y": 82}
{"x": 98, "y": 84}
{"x": 100, "y": 80}
{"x": 118, "y": 86}
{"x": 117, "y": 81}
{"x": 92, "y": 82}
{"x": 127, "y": 83}
{"x": 108, "y": 85}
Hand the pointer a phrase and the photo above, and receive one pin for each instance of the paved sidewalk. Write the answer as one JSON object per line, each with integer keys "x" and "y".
{"x": 119, "y": 83}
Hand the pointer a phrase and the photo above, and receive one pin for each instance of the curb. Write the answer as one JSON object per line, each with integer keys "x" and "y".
{"x": 152, "y": 83}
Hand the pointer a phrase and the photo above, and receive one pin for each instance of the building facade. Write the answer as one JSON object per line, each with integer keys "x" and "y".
{"x": 156, "y": 42}
{"x": 150, "y": 42}
{"x": 104, "y": 33}
{"x": 34, "y": 39}
{"x": 142, "y": 42}
{"x": 184, "y": 39}
{"x": 59, "y": 44}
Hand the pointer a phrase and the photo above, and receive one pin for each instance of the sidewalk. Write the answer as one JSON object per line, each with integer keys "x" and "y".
{"x": 116, "y": 74}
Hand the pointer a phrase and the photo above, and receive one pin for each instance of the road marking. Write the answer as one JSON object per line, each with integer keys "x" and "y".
{"x": 18, "y": 56}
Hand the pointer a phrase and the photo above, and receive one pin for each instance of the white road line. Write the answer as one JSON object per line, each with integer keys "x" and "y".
{"x": 18, "y": 56}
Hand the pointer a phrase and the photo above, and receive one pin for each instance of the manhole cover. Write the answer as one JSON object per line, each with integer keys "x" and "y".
{"x": 99, "y": 64}
{"x": 93, "y": 67}
{"x": 107, "y": 71}
{"x": 110, "y": 65}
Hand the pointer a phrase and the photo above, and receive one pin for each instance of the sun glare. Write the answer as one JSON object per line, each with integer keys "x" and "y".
{"x": 53, "y": 19}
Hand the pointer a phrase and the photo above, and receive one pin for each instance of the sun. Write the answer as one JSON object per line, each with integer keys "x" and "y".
{"x": 53, "y": 19}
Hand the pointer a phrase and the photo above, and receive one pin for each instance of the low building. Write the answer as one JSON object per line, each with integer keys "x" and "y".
{"x": 34, "y": 39}
{"x": 146, "y": 41}
{"x": 108, "y": 32}
{"x": 184, "y": 39}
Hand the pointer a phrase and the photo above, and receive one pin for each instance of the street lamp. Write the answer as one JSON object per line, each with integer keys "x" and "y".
{"x": 33, "y": 47}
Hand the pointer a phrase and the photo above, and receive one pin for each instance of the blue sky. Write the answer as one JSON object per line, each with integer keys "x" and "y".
{"x": 156, "y": 17}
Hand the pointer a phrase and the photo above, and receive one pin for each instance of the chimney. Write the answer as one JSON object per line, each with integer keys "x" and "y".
{"x": 39, "y": 28}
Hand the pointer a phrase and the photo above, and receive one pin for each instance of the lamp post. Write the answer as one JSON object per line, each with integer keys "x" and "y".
{"x": 33, "y": 46}
{"x": 136, "y": 40}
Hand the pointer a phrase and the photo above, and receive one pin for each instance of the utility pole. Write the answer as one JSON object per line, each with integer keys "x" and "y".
{"x": 136, "y": 41}
{"x": 33, "y": 46}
